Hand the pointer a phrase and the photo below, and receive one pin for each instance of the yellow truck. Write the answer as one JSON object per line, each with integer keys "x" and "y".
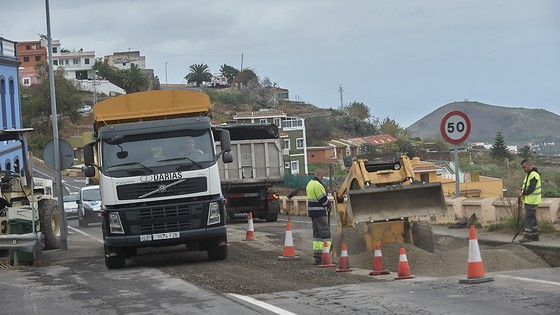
{"x": 155, "y": 158}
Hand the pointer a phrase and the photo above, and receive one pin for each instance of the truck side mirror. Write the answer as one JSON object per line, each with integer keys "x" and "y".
{"x": 88, "y": 154}
{"x": 225, "y": 143}
{"x": 227, "y": 157}
{"x": 89, "y": 171}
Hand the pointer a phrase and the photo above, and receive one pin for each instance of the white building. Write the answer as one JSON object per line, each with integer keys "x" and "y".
{"x": 122, "y": 60}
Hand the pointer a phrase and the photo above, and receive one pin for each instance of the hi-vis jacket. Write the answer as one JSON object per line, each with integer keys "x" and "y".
{"x": 531, "y": 189}
{"x": 316, "y": 198}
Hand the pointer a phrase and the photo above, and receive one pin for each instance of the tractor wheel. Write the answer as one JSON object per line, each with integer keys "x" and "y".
{"x": 422, "y": 235}
{"x": 49, "y": 217}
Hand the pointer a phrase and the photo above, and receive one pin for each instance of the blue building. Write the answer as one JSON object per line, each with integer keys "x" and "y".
{"x": 10, "y": 109}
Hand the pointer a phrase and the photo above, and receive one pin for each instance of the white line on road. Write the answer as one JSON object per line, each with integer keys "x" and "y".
{"x": 531, "y": 280}
{"x": 86, "y": 234}
{"x": 261, "y": 304}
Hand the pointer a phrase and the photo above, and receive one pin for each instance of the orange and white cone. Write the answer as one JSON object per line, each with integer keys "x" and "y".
{"x": 289, "y": 249}
{"x": 404, "y": 269}
{"x": 326, "y": 257}
{"x": 378, "y": 268}
{"x": 475, "y": 269}
{"x": 250, "y": 235}
{"x": 344, "y": 261}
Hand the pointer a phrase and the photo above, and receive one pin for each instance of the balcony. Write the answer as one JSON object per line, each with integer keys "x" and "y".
{"x": 292, "y": 123}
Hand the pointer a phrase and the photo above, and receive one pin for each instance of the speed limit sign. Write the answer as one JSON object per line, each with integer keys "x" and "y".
{"x": 455, "y": 127}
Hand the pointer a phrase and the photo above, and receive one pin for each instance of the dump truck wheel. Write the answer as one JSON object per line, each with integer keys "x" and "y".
{"x": 351, "y": 237}
{"x": 215, "y": 250}
{"x": 49, "y": 217}
{"x": 114, "y": 258}
{"x": 423, "y": 236}
{"x": 272, "y": 215}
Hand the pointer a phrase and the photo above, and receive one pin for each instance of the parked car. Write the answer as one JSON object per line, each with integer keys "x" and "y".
{"x": 71, "y": 204}
{"x": 85, "y": 109}
{"x": 89, "y": 205}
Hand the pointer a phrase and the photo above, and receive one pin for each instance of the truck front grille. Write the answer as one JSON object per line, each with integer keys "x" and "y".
{"x": 163, "y": 227}
{"x": 160, "y": 189}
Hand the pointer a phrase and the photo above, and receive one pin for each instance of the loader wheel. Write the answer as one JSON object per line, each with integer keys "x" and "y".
{"x": 351, "y": 237}
{"x": 422, "y": 235}
{"x": 49, "y": 217}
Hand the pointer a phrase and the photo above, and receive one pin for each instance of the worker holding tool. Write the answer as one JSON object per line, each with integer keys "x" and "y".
{"x": 317, "y": 206}
{"x": 531, "y": 195}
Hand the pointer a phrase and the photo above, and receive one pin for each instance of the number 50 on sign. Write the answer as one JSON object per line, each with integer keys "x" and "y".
{"x": 455, "y": 127}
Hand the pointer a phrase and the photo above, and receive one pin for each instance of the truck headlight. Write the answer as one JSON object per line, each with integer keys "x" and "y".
{"x": 115, "y": 224}
{"x": 213, "y": 213}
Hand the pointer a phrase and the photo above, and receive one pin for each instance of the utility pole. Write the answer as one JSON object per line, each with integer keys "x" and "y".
{"x": 63, "y": 233}
{"x": 166, "y": 72}
{"x": 241, "y": 69}
{"x": 340, "y": 90}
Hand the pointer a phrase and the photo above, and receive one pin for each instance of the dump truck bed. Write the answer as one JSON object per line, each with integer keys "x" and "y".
{"x": 150, "y": 105}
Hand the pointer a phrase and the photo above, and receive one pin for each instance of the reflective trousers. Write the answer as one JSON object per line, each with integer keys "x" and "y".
{"x": 321, "y": 234}
{"x": 531, "y": 228}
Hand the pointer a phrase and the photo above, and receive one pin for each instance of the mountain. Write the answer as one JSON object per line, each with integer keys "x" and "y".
{"x": 518, "y": 125}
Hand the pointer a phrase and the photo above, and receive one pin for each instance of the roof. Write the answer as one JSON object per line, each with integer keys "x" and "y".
{"x": 380, "y": 139}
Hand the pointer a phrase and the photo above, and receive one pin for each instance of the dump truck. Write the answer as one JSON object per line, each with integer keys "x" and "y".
{"x": 21, "y": 204}
{"x": 379, "y": 202}
{"x": 155, "y": 190}
{"x": 258, "y": 164}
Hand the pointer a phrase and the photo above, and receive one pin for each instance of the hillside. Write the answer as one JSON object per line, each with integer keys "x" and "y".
{"x": 518, "y": 125}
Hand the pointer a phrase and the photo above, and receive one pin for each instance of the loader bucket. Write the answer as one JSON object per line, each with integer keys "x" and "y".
{"x": 395, "y": 202}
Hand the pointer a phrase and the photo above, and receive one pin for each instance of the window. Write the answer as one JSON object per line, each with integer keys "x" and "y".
{"x": 295, "y": 167}
{"x": 286, "y": 164}
{"x": 37, "y": 58}
{"x": 13, "y": 105}
{"x": 3, "y": 101}
{"x": 263, "y": 121}
{"x": 54, "y": 50}
{"x": 277, "y": 121}
{"x": 425, "y": 178}
{"x": 76, "y": 61}
{"x": 299, "y": 143}
{"x": 26, "y": 81}
{"x": 55, "y": 62}
{"x": 86, "y": 61}
{"x": 286, "y": 146}
{"x": 25, "y": 59}
{"x": 66, "y": 61}
{"x": 124, "y": 64}
{"x": 27, "y": 47}
{"x": 82, "y": 75}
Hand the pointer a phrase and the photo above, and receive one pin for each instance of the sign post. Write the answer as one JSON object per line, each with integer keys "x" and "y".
{"x": 455, "y": 128}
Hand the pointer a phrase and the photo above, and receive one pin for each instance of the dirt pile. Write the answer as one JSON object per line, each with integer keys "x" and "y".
{"x": 453, "y": 262}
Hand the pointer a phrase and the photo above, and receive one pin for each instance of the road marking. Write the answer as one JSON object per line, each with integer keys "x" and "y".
{"x": 261, "y": 304}
{"x": 86, "y": 234}
{"x": 531, "y": 280}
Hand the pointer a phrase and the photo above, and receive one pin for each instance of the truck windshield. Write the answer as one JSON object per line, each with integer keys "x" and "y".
{"x": 141, "y": 154}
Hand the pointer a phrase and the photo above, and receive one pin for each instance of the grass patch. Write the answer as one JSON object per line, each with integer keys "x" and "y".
{"x": 510, "y": 225}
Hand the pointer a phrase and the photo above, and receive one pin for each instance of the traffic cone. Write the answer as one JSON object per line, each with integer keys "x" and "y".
{"x": 475, "y": 270}
{"x": 404, "y": 269}
{"x": 378, "y": 263}
{"x": 289, "y": 249}
{"x": 344, "y": 262}
{"x": 250, "y": 235}
{"x": 326, "y": 257}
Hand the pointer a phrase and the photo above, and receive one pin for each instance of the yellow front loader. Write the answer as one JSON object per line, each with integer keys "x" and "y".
{"x": 379, "y": 202}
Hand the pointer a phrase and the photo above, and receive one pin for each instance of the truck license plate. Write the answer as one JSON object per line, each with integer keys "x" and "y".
{"x": 165, "y": 236}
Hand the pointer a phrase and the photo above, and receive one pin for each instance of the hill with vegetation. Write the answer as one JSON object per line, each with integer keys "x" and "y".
{"x": 517, "y": 125}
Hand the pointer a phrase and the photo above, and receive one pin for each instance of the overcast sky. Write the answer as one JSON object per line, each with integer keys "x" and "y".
{"x": 402, "y": 58}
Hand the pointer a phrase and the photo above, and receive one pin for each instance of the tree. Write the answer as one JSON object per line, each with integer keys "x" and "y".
{"x": 317, "y": 131}
{"x": 368, "y": 151}
{"x": 525, "y": 152}
{"x": 405, "y": 146}
{"x": 198, "y": 73}
{"x": 358, "y": 110}
{"x": 131, "y": 80}
{"x": 229, "y": 72}
{"x": 245, "y": 76}
{"x": 499, "y": 150}
{"x": 36, "y": 104}
{"x": 390, "y": 127}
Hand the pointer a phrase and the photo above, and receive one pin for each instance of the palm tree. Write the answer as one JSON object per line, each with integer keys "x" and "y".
{"x": 198, "y": 74}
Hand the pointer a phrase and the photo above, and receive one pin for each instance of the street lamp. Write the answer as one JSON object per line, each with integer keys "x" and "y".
{"x": 166, "y": 72}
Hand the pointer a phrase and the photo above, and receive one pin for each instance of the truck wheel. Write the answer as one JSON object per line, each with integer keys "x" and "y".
{"x": 114, "y": 258}
{"x": 422, "y": 235}
{"x": 217, "y": 250}
{"x": 272, "y": 215}
{"x": 49, "y": 217}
